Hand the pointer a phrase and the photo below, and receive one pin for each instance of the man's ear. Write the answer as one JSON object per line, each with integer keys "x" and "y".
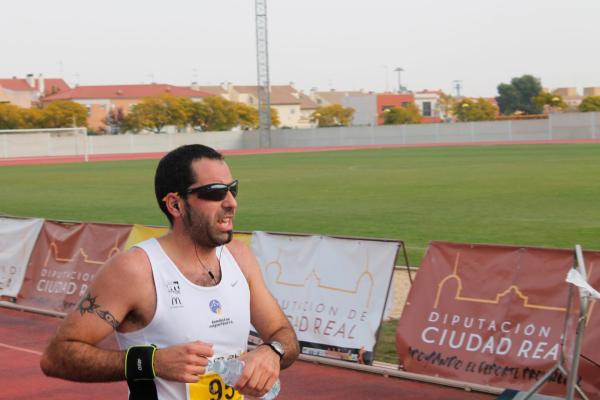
{"x": 172, "y": 202}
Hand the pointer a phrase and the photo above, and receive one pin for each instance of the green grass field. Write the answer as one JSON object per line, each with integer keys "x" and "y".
{"x": 542, "y": 195}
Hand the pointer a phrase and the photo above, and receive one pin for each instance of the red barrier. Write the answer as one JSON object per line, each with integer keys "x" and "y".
{"x": 65, "y": 260}
{"x": 494, "y": 315}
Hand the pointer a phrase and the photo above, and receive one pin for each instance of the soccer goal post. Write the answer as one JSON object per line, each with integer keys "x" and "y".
{"x": 26, "y": 143}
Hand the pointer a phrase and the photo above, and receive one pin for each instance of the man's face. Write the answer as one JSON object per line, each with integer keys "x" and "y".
{"x": 209, "y": 223}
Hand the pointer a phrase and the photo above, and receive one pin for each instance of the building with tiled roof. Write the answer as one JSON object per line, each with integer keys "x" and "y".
{"x": 125, "y": 92}
{"x": 284, "y": 98}
{"x": 307, "y": 107}
{"x": 430, "y": 106}
{"x": 334, "y": 96}
{"x": 213, "y": 90}
{"x": 369, "y": 109}
{"x": 591, "y": 91}
{"x": 27, "y": 92}
{"x": 280, "y": 94}
{"x": 15, "y": 84}
{"x": 100, "y": 100}
{"x": 3, "y": 98}
{"x": 18, "y": 92}
{"x": 569, "y": 96}
{"x": 51, "y": 86}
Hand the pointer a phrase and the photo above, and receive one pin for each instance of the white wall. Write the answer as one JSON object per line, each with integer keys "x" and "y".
{"x": 567, "y": 126}
{"x": 365, "y": 109}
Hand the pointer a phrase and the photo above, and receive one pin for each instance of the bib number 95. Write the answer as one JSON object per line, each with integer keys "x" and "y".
{"x": 212, "y": 387}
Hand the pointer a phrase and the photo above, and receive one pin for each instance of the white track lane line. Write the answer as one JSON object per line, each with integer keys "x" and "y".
{"x": 39, "y": 353}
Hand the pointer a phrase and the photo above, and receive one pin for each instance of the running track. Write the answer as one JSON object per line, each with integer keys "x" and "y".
{"x": 23, "y": 336}
{"x": 143, "y": 156}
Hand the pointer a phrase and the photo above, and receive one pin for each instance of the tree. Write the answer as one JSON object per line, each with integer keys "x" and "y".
{"x": 275, "y": 117}
{"x": 213, "y": 113}
{"x": 590, "y": 103}
{"x": 247, "y": 116}
{"x": 132, "y": 122}
{"x": 518, "y": 96}
{"x": 32, "y": 118}
{"x": 478, "y": 110}
{"x": 114, "y": 120}
{"x": 63, "y": 114}
{"x": 11, "y": 116}
{"x": 447, "y": 103}
{"x": 155, "y": 113}
{"x": 332, "y": 115}
{"x": 550, "y": 101}
{"x": 408, "y": 114}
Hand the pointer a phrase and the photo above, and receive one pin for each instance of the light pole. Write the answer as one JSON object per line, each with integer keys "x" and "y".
{"x": 457, "y": 85}
{"x": 399, "y": 71}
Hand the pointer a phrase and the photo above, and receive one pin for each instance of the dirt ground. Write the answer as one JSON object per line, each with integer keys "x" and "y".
{"x": 401, "y": 287}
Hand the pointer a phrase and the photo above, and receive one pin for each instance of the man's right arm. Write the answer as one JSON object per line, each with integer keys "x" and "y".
{"x": 73, "y": 353}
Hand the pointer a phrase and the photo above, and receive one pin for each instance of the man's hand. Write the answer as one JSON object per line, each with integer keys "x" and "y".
{"x": 260, "y": 373}
{"x": 183, "y": 362}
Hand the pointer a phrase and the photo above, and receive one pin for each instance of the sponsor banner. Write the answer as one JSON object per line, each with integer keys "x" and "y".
{"x": 332, "y": 290}
{"x": 494, "y": 315}
{"x": 17, "y": 238}
{"x": 65, "y": 260}
{"x": 139, "y": 233}
{"x": 244, "y": 237}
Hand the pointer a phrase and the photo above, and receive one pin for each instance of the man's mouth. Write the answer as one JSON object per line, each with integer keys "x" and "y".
{"x": 225, "y": 223}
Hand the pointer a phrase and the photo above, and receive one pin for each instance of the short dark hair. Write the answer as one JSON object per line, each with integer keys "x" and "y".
{"x": 174, "y": 172}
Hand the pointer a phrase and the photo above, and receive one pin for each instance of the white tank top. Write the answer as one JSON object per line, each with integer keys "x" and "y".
{"x": 186, "y": 312}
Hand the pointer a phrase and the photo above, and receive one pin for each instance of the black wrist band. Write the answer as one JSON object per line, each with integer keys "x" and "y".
{"x": 139, "y": 363}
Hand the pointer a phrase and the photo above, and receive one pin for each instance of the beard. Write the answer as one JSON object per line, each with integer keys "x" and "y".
{"x": 202, "y": 232}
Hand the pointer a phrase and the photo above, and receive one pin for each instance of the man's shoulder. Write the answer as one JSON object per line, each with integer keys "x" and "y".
{"x": 236, "y": 246}
{"x": 244, "y": 257}
{"x": 133, "y": 263}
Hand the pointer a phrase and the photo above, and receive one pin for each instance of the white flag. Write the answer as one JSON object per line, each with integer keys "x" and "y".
{"x": 578, "y": 280}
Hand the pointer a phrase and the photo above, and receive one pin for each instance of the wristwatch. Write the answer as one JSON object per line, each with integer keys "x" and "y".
{"x": 276, "y": 347}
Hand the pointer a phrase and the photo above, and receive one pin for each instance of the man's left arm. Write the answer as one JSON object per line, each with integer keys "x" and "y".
{"x": 263, "y": 363}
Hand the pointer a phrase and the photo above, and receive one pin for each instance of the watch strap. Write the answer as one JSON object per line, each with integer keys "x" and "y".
{"x": 274, "y": 349}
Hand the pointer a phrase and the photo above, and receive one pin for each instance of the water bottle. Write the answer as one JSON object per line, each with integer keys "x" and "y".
{"x": 231, "y": 370}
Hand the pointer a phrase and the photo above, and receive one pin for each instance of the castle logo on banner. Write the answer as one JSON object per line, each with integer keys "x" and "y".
{"x": 333, "y": 291}
{"x": 494, "y": 315}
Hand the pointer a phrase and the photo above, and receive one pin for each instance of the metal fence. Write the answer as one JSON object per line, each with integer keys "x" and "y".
{"x": 567, "y": 126}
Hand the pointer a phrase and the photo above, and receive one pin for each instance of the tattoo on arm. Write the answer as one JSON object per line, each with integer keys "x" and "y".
{"x": 88, "y": 305}
{"x": 109, "y": 318}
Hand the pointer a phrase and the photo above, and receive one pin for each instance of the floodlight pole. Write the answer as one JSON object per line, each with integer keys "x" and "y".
{"x": 262, "y": 66}
{"x": 457, "y": 85}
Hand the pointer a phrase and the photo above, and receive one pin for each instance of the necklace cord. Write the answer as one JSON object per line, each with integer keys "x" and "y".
{"x": 208, "y": 271}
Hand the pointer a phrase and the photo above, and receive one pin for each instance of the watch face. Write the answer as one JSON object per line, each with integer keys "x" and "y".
{"x": 278, "y": 347}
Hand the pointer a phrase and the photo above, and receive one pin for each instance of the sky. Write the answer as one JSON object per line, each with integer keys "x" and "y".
{"x": 327, "y": 44}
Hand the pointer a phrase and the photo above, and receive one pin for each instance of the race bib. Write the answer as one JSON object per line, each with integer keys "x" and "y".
{"x": 211, "y": 387}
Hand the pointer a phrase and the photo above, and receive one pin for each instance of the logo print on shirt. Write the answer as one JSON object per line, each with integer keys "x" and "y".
{"x": 174, "y": 291}
{"x": 215, "y": 306}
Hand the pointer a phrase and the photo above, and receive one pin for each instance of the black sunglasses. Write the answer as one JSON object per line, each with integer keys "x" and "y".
{"x": 215, "y": 191}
